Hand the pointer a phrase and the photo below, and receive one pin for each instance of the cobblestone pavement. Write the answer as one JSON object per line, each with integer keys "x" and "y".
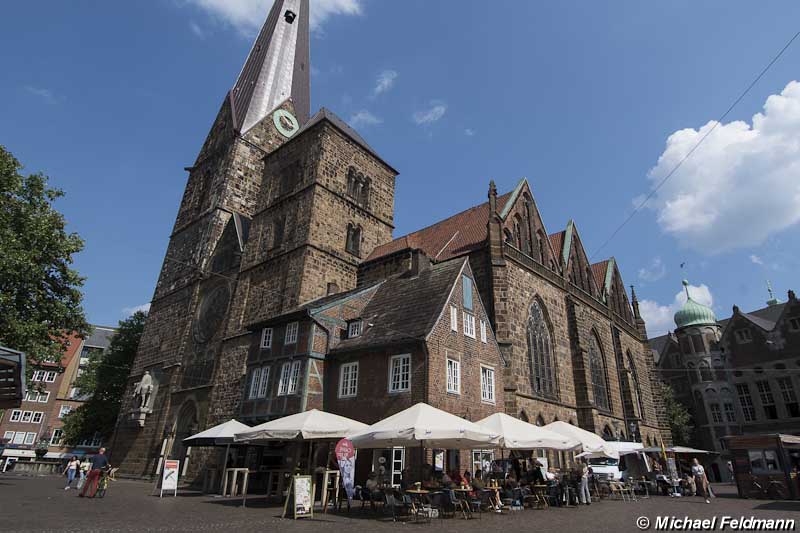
{"x": 40, "y": 504}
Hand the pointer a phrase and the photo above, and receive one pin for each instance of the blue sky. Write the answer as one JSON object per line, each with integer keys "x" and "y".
{"x": 113, "y": 99}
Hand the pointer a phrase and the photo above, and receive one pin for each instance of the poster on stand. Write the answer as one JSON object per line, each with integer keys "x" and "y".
{"x": 169, "y": 476}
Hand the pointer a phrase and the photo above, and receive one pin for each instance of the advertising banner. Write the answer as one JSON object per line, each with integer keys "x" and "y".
{"x": 346, "y": 456}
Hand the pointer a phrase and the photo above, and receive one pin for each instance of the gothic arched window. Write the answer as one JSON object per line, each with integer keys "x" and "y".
{"x": 597, "y": 370}
{"x": 637, "y": 392}
{"x": 353, "y": 244}
{"x": 540, "y": 353}
{"x": 705, "y": 372}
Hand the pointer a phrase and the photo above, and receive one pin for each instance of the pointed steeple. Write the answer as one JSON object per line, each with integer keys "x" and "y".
{"x": 277, "y": 67}
{"x": 772, "y": 300}
{"x": 637, "y": 316}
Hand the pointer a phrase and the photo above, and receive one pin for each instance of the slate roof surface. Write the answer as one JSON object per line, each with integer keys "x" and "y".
{"x": 658, "y": 344}
{"x": 765, "y": 317}
{"x": 451, "y": 237}
{"x": 405, "y": 308}
{"x": 100, "y": 336}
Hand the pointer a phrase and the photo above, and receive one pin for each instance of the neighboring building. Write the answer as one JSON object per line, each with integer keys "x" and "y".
{"x": 283, "y": 212}
{"x": 37, "y": 422}
{"x": 736, "y": 376}
{"x": 12, "y": 378}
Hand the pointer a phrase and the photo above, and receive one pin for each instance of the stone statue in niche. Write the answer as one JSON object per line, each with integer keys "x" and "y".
{"x": 143, "y": 390}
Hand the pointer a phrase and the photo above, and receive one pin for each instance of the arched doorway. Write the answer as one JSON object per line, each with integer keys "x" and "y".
{"x": 185, "y": 426}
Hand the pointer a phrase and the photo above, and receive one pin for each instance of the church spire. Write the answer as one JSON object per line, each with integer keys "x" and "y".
{"x": 277, "y": 67}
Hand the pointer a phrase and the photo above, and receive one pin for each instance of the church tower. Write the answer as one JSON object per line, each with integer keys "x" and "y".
{"x": 279, "y": 209}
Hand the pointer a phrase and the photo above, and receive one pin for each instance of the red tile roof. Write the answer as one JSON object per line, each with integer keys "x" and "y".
{"x": 599, "y": 271}
{"x": 557, "y": 242}
{"x": 454, "y": 236}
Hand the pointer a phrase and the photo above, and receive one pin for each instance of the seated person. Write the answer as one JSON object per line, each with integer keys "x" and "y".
{"x": 537, "y": 478}
{"x": 373, "y": 486}
{"x": 456, "y": 478}
{"x": 509, "y": 485}
{"x": 446, "y": 481}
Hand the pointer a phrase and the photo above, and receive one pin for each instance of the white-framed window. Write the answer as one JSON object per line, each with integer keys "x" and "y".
{"x": 26, "y": 416}
{"x": 469, "y": 325}
{"x": 44, "y": 397}
{"x": 16, "y": 414}
{"x": 57, "y": 437}
{"x": 255, "y": 380}
{"x": 8, "y": 436}
{"x": 294, "y": 377}
{"x": 348, "y": 380}
{"x": 264, "y": 384}
{"x": 30, "y": 438}
{"x": 453, "y": 376}
{"x": 354, "y": 329}
{"x": 743, "y": 336}
{"x": 283, "y": 384}
{"x": 38, "y": 375}
{"x": 31, "y": 396}
{"x": 453, "y": 318}
{"x": 400, "y": 373}
{"x": 64, "y": 411}
{"x": 19, "y": 437}
{"x": 50, "y": 377}
{"x": 291, "y": 333}
{"x": 483, "y": 331}
{"x": 37, "y": 417}
{"x": 94, "y": 442}
{"x": 266, "y": 338}
{"x": 487, "y": 384}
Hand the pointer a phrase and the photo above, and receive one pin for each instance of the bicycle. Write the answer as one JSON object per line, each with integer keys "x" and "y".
{"x": 102, "y": 486}
{"x": 775, "y": 490}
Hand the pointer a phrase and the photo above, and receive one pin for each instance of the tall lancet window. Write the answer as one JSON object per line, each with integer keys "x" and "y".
{"x": 540, "y": 353}
{"x": 353, "y": 244}
{"x": 597, "y": 370}
{"x": 637, "y": 391}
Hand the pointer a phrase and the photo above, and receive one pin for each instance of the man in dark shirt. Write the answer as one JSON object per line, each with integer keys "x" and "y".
{"x": 99, "y": 462}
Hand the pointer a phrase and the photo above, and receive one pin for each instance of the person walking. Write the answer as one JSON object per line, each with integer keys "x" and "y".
{"x": 84, "y": 468}
{"x": 700, "y": 480}
{"x": 583, "y": 471}
{"x": 99, "y": 462}
{"x": 71, "y": 471}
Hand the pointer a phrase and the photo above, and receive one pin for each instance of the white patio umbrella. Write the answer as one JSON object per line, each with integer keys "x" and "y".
{"x": 424, "y": 426}
{"x": 308, "y": 425}
{"x": 218, "y": 435}
{"x": 516, "y": 434}
{"x": 593, "y": 445}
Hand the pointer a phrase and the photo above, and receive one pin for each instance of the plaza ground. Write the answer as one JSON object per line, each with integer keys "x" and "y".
{"x": 40, "y": 503}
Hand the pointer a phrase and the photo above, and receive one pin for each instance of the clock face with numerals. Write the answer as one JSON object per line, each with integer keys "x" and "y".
{"x": 285, "y": 122}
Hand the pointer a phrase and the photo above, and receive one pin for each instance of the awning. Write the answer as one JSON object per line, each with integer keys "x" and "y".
{"x": 10, "y": 452}
{"x": 308, "y": 425}
{"x": 218, "y": 435}
{"x": 64, "y": 455}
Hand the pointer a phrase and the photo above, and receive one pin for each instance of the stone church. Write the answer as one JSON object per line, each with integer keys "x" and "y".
{"x": 284, "y": 239}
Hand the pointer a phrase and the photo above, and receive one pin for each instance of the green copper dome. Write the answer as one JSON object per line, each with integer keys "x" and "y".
{"x": 693, "y": 313}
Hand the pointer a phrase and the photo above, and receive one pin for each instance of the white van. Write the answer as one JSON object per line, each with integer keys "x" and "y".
{"x": 629, "y": 465}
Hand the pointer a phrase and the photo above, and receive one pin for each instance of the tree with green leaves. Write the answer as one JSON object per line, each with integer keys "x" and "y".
{"x": 40, "y": 294}
{"x": 105, "y": 380}
{"x": 680, "y": 421}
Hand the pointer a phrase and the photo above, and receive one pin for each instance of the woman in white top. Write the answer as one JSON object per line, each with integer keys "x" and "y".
{"x": 700, "y": 479}
{"x": 71, "y": 471}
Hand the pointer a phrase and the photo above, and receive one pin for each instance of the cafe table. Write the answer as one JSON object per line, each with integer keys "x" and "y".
{"x": 416, "y": 498}
{"x": 541, "y": 494}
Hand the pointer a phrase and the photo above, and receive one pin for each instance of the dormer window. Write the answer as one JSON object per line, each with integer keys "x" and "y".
{"x": 743, "y": 336}
{"x": 354, "y": 328}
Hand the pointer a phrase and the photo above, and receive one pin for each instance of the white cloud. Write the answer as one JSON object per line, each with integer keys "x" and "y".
{"x": 654, "y": 272}
{"x": 384, "y": 82}
{"x": 756, "y": 260}
{"x": 197, "y": 30}
{"x": 45, "y": 94}
{"x": 428, "y": 116}
{"x": 469, "y": 132}
{"x": 128, "y": 311}
{"x": 248, "y": 16}
{"x": 364, "y": 118}
{"x": 741, "y": 184}
{"x": 660, "y": 318}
